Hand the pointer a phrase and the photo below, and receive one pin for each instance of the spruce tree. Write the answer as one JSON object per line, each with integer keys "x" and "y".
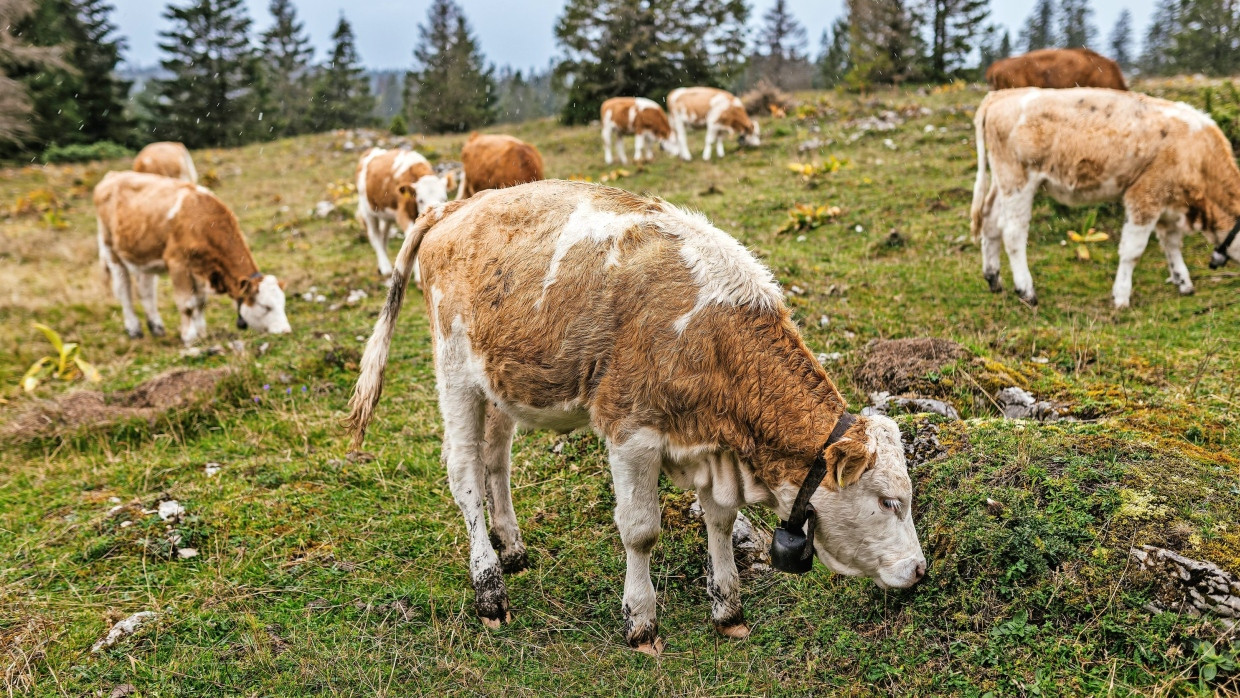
{"x": 210, "y": 98}
{"x": 286, "y": 56}
{"x": 19, "y": 56}
{"x": 884, "y": 43}
{"x": 645, "y": 48}
{"x": 1076, "y": 29}
{"x": 1208, "y": 37}
{"x": 955, "y": 27}
{"x": 993, "y": 46}
{"x": 342, "y": 97}
{"x": 1039, "y": 29}
{"x": 1164, "y": 25}
{"x": 835, "y": 60}
{"x": 451, "y": 88}
{"x": 781, "y": 44}
{"x": 1120, "y": 41}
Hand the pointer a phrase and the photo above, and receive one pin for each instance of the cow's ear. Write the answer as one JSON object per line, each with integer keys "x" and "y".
{"x": 849, "y": 458}
{"x": 405, "y": 190}
{"x": 246, "y": 286}
{"x": 282, "y": 283}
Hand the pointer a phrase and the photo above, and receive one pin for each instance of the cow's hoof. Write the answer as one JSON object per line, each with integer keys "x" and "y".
{"x": 1029, "y": 299}
{"x": 494, "y": 623}
{"x": 995, "y": 284}
{"x": 514, "y": 561}
{"x": 736, "y": 631}
{"x": 156, "y": 330}
{"x": 653, "y": 649}
{"x": 491, "y": 598}
{"x": 1187, "y": 290}
{"x": 134, "y": 334}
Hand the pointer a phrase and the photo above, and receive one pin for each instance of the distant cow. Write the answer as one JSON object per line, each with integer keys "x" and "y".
{"x": 642, "y": 118}
{"x": 718, "y": 111}
{"x": 150, "y": 224}
{"x": 1168, "y": 163}
{"x": 394, "y": 187}
{"x": 167, "y": 158}
{"x": 495, "y": 162}
{"x": 1056, "y": 68}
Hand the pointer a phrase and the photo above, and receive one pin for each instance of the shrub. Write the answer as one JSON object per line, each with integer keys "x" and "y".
{"x": 103, "y": 150}
{"x": 766, "y": 98}
{"x": 399, "y": 127}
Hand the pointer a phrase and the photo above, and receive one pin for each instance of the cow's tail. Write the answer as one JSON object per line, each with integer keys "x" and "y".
{"x": 103, "y": 250}
{"x": 374, "y": 360}
{"x": 187, "y": 167}
{"x": 980, "y": 204}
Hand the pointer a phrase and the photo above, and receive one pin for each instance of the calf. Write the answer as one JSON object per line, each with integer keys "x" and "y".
{"x": 1056, "y": 68}
{"x": 717, "y": 110}
{"x": 495, "y": 162}
{"x": 1168, "y": 163}
{"x": 150, "y": 224}
{"x": 642, "y": 118}
{"x": 167, "y": 158}
{"x": 393, "y": 187}
{"x": 562, "y": 305}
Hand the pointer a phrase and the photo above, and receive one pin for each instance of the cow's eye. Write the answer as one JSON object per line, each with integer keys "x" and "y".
{"x": 890, "y": 504}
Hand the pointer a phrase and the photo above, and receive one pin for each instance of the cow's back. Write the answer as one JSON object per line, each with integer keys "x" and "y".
{"x": 1056, "y": 69}
{"x": 139, "y": 212}
{"x": 498, "y": 161}
{"x": 168, "y": 159}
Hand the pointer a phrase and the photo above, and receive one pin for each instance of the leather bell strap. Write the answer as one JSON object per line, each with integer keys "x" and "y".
{"x": 801, "y": 509}
{"x": 1221, "y": 250}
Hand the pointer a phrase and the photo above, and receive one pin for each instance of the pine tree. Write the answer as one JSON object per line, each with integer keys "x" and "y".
{"x": 451, "y": 87}
{"x": 781, "y": 44}
{"x": 1039, "y": 29}
{"x": 645, "y": 48}
{"x": 1005, "y": 46}
{"x": 993, "y": 46}
{"x": 210, "y": 99}
{"x": 883, "y": 41}
{"x": 1076, "y": 30}
{"x": 342, "y": 97}
{"x": 1208, "y": 37}
{"x": 835, "y": 60}
{"x": 286, "y": 56}
{"x": 1164, "y": 25}
{"x": 955, "y": 27}
{"x": 18, "y": 56}
{"x": 1120, "y": 41}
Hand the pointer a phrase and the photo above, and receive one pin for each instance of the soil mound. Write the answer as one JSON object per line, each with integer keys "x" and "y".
{"x": 903, "y": 366}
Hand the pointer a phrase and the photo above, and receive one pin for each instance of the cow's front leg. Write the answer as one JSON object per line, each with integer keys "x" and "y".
{"x": 711, "y": 135}
{"x": 1015, "y": 211}
{"x": 150, "y": 302}
{"x": 635, "y": 468}
{"x": 377, "y": 234}
{"x": 191, "y": 299}
{"x": 122, "y": 289}
{"x": 1172, "y": 239}
{"x": 1132, "y": 241}
{"x": 723, "y": 584}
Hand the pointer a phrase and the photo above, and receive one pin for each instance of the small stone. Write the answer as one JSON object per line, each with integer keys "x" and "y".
{"x": 186, "y": 553}
{"x": 237, "y": 346}
{"x": 211, "y": 469}
{"x": 126, "y": 523}
{"x": 170, "y": 510}
{"x": 122, "y": 629}
{"x": 122, "y": 690}
{"x": 801, "y": 238}
{"x": 1040, "y": 360}
{"x": 823, "y": 321}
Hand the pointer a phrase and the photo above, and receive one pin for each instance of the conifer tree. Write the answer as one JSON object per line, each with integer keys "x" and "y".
{"x": 781, "y": 44}
{"x": 993, "y": 46}
{"x": 834, "y": 62}
{"x": 286, "y": 56}
{"x": 19, "y": 55}
{"x": 1163, "y": 27}
{"x": 645, "y": 48}
{"x": 1076, "y": 29}
{"x": 884, "y": 43}
{"x": 451, "y": 88}
{"x": 1207, "y": 39}
{"x": 955, "y": 28}
{"x": 1120, "y": 41}
{"x": 210, "y": 98}
{"x": 342, "y": 97}
{"x": 1039, "y": 29}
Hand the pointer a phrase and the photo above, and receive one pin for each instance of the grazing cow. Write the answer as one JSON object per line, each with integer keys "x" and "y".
{"x": 150, "y": 224}
{"x": 561, "y": 305}
{"x": 641, "y": 117}
{"x": 1056, "y": 68}
{"x": 717, "y": 110}
{"x": 167, "y": 158}
{"x": 1168, "y": 163}
{"x": 495, "y": 162}
{"x": 393, "y": 187}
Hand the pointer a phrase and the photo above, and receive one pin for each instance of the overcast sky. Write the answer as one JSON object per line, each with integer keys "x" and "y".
{"x": 511, "y": 32}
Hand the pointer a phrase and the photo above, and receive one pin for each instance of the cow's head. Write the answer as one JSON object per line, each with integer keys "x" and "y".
{"x": 865, "y": 507}
{"x": 751, "y": 137}
{"x": 261, "y": 305}
{"x": 1227, "y": 246}
{"x": 423, "y": 193}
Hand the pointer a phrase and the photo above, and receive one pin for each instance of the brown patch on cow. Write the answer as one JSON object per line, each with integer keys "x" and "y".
{"x": 849, "y": 458}
{"x": 631, "y": 120}
{"x": 497, "y": 161}
{"x": 901, "y": 366}
{"x": 1056, "y": 68}
{"x": 168, "y": 159}
{"x": 387, "y": 190}
{"x": 737, "y": 119}
{"x": 82, "y": 409}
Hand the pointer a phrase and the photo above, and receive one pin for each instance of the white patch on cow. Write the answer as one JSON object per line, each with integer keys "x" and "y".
{"x": 201, "y": 189}
{"x": 266, "y": 313}
{"x": 176, "y": 205}
{"x": 643, "y": 104}
{"x": 405, "y": 160}
{"x": 428, "y": 191}
{"x": 726, "y": 273}
{"x": 587, "y": 223}
{"x": 1195, "y": 119}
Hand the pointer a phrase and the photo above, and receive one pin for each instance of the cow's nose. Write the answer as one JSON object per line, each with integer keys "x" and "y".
{"x": 920, "y": 572}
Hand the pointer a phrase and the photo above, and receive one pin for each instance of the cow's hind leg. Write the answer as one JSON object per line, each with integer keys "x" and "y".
{"x": 1132, "y": 241}
{"x": 1172, "y": 238}
{"x": 635, "y": 468}
{"x": 376, "y": 232}
{"x": 992, "y": 240}
{"x": 150, "y": 304}
{"x": 1015, "y": 211}
{"x": 723, "y": 584}
{"x": 123, "y": 291}
{"x": 464, "y": 407}
{"x": 497, "y": 456}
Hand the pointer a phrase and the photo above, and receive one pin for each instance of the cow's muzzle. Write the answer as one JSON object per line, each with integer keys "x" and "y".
{"x": 1222, "y": 252}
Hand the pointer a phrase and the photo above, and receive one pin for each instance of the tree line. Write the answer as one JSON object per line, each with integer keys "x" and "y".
{"x": 222, "y": 84}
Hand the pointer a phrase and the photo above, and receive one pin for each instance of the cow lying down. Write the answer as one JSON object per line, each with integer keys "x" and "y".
{"x": 561, "y": 305}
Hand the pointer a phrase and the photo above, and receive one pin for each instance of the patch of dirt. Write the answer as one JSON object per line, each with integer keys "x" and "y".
{"x": 905, "y": 366}
{"x": 92, "y": 408}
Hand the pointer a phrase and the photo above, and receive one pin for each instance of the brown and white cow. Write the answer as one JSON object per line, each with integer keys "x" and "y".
{"x": 718, "y": 111}
{"x": 151, "y": 224}
{"x": 643, "y": 119}
{"x": 562, "y": 305}
{"x": 1168, "y": 163}
{"x": 167, "y": 158}
{"x": 495, "y": 162}
{"x": 393, "y": 187}
{"x": 1057, "y": 68}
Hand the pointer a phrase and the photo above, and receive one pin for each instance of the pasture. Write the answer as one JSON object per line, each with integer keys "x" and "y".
{"x": 318, "y": 572}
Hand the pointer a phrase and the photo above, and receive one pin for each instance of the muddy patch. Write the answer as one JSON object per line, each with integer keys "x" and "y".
{"x": 91, "y": 408}
{"x": 907, "y": 366}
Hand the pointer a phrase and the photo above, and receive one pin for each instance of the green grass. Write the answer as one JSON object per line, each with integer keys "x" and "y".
{"x": 321, "y": 574}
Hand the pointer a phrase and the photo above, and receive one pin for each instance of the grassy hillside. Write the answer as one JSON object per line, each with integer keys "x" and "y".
{"x": 318, "y": 573}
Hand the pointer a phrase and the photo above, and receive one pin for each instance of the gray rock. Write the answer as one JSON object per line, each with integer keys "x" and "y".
{"x": 123, "y": 629}
{"x": 1197, "y": 581}
{"x": 882, "y": 403}
{"x": 1018, "y": 403}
